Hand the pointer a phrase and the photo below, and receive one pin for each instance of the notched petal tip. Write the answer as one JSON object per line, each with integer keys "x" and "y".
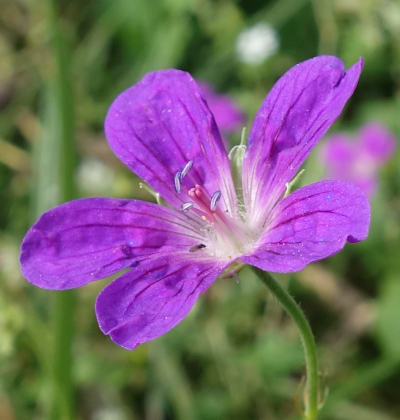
{"x": 362, "y": 213}
{"x": 360, "y": 63}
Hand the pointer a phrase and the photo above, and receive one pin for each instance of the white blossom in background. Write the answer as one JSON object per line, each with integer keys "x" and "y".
{"x": 255, "y": 44}
{"x": 94, "y": 176}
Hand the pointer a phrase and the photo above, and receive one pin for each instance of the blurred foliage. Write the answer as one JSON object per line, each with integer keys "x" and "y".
{"x": 237, "y": 356}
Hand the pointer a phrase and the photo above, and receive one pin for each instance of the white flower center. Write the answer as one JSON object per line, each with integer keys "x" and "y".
{"x": 224, "y": 236}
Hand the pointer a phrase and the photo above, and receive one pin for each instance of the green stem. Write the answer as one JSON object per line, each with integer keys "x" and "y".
{"x": 61, "y": 382}
{"x": 62, "y": 391}
{"x": 307, "y": 339}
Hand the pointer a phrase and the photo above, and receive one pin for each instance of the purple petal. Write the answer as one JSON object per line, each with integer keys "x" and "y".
{"x": 312, "y": 223}
{"x": 295, "y": 115}
{"x": 85, "y": 240}
{"x": 377, "y": 142}
{"x": 226, "y": 113}
{"x": 160, "y": 124}
{"x": 150, "y": 300}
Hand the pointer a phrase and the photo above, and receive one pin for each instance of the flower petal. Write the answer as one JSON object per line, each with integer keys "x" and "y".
{"x": 85, "y": 240}
{"x": 312, "y": 223}
{"x": 160, "y": 124}
{"x": 296, "y": 113}
{"x": 150, "y": 300}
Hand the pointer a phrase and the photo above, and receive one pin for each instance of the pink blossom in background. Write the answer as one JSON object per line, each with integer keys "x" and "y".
{"x": 359, "y": 159}
{"x": 228, "y": 116}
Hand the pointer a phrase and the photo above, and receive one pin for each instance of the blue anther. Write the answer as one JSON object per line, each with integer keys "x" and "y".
{"x": 177, "y": 182}
{"x": 187, "y": 206}
{"x": 214, "y": 200}
{"x": 186, "y": 169}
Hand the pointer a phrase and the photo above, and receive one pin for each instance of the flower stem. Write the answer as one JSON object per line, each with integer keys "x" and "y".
{"x": 307, "y": 339}
{"x": 61, "y": 396}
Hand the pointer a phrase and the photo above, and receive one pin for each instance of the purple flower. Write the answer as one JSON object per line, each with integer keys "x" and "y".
{"x": 227, "y": 114}
{"x": 359, "y": 160}
{"x": 163, "y": 130}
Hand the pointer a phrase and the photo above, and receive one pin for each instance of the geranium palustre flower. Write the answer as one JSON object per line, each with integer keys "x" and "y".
{"x": 163, "y": 130}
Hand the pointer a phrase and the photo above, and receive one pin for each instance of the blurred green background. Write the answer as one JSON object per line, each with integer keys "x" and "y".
{"x": 237, "y": 356}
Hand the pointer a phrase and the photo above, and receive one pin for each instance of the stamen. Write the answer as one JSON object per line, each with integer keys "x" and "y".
{"x": 214, "y": 200}
{"x": 177, "y": 182}
{"x": 186, "y": 169}
{"x": 186, "y": 206}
